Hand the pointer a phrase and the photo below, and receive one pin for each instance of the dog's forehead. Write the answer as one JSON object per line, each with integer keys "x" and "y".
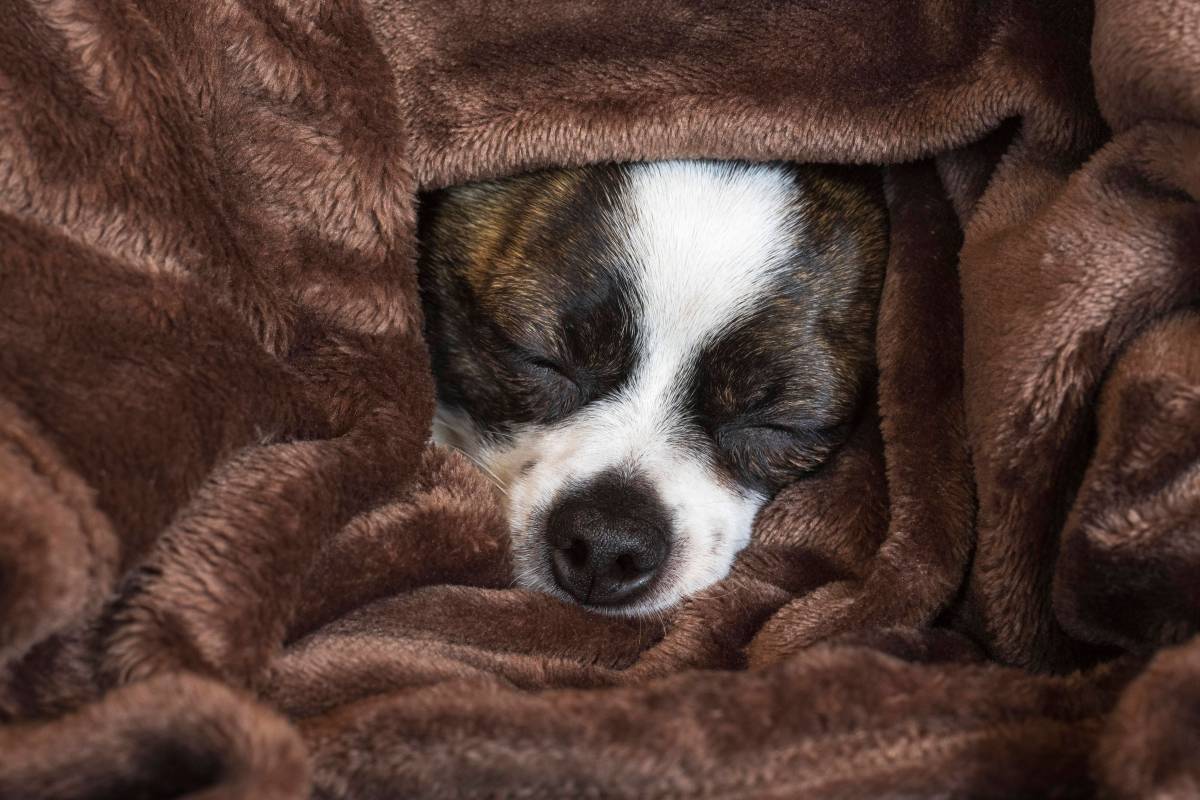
{"x": 682, "y": 222}
{"x": 703, "y": 242}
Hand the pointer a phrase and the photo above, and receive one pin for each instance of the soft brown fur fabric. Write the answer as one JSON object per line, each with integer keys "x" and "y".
{"x": 230, "y": 567}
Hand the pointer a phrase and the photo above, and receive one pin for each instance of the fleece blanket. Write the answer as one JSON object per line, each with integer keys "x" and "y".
{"x": 231, "y": 566}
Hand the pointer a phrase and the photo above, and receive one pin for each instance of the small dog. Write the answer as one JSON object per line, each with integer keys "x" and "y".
{"x": 642, "y": 354}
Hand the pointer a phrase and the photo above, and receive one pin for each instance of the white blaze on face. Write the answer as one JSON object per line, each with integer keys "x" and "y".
{"x": 703, "y": 242}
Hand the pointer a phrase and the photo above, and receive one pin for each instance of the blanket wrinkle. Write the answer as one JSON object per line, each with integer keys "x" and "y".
{"x": 232, "y": 565}
{"x": 1134, "y": 515}
{"x": 172, "y": 735}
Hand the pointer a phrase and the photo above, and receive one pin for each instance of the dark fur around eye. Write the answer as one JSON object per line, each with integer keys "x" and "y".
{"x": 526, "y": 317}
{"x": 548, "y": 388}
{"x": 769, "y": 455}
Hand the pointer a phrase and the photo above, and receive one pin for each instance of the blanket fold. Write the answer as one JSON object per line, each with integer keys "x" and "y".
{"x": 231, "y": 565}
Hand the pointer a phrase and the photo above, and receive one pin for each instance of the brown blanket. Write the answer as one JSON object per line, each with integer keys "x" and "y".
{"x": 231, "y": 567}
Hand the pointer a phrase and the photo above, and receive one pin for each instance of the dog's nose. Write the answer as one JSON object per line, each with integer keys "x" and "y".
{"x": 607, "y": 542}
{"x": 602, "y": 557}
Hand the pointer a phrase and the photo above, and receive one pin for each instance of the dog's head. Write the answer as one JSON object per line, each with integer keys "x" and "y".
{"x": 641, "y": 354}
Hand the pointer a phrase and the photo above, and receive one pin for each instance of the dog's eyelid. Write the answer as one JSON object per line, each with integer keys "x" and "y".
{"x": 798, "y": 431}
{"x": 759, "y": 427}
{"x": 548, "y": 364}
{"x": 790, "y": 430}
{"x": 534, "y": 355}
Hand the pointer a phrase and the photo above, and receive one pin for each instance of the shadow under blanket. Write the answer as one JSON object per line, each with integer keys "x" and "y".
{"x": 232, "y": 567}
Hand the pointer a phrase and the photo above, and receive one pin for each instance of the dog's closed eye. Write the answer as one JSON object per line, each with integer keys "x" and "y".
{"x": 769, "y": 435}
{"x": 769, "y": 453}
{"x": 562, "y": 386}
{"x": 551, "y": 368}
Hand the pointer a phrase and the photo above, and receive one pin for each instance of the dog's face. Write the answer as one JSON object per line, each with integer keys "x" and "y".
{"x": 640, "y": 355}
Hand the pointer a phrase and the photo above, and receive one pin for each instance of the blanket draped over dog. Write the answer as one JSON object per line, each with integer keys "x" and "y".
{"x": 232, "y": 567}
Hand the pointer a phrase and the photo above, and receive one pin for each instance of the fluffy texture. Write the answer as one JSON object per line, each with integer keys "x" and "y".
{"x": 230, "y": 566}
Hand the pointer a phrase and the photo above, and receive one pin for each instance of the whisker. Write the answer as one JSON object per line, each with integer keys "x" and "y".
{"x": 499, "y": 484}
{"x": 662, "y": 621}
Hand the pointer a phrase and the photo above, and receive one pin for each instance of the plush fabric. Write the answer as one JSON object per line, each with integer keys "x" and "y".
{"x": 232, "y": 567}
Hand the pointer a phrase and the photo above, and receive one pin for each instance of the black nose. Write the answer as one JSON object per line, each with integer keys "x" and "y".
{"x": 608, "y": 541}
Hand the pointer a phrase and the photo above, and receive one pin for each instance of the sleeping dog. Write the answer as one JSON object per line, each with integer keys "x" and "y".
{"x": 641, "y": 354}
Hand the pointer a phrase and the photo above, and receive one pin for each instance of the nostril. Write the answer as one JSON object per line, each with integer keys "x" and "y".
{"x": 578, "y": 552}
{"x": 629, "y": 566}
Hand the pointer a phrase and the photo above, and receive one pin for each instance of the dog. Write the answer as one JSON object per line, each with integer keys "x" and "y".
{"x": 642, "y": 354}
